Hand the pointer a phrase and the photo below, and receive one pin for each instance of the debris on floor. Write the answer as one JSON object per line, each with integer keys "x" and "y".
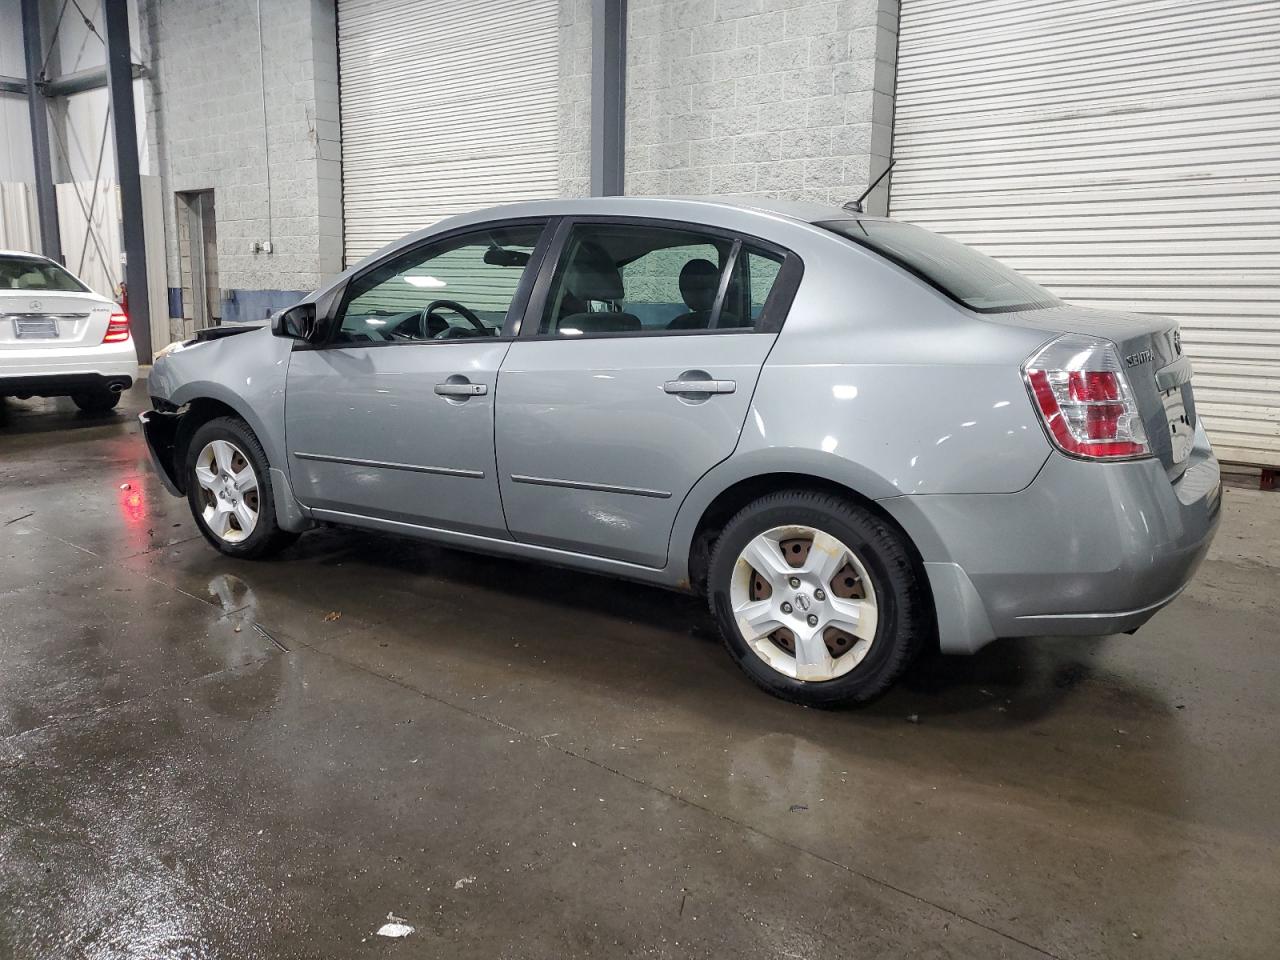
{"x": 463, "y": 882}
{"x": 333, "y": 615}
{"x": 395, "y": 927}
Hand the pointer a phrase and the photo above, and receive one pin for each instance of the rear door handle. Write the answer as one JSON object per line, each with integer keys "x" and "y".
{"x": 461, "y": 389}
{"x": 700, "y": 386}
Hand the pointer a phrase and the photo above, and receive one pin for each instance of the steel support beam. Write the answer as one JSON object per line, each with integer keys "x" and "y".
{"x": 92, "y": 79}
{"x": 120, "y": 86}
{"x": 46, "y": 197}
{"x": 608, "y": 95}
{"x": 78, "y": 82}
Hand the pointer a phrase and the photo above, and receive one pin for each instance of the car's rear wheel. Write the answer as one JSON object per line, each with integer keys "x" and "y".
{"x": 96, "y": 401}
{"x": 817, "y": 598}
{"x": 229, "y": 490}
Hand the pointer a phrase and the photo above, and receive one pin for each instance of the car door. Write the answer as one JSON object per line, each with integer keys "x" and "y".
{"x": 392, "y": 416}
{"x": 632, "y": 379}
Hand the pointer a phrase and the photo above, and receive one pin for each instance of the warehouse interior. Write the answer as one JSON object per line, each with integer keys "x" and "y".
{"x": 1121, "y": 154}
{"x": 204, "y": 756}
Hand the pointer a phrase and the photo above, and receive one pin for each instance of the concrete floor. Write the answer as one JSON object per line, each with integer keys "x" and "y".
{"x": 200, "y": 758}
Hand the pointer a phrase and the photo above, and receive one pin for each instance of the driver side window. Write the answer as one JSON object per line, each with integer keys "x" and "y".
{"x": 460, "y": 288}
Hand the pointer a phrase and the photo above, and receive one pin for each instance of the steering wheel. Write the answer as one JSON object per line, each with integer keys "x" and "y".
{"x": 460, "y": 310}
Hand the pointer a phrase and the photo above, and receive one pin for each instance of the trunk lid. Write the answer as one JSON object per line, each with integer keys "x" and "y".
{"x": 1159, "y": 373}
{"x": 38, "y": 320}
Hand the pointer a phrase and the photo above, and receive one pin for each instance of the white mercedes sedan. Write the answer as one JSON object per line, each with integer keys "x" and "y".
{"x": 60, "y": 339}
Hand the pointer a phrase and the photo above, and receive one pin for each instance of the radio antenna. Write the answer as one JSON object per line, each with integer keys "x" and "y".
{"x": 855, "y": 206}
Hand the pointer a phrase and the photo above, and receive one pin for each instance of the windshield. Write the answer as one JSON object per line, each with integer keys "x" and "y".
{"x": 32, "y": 273}
{"x": 962, "y": 273}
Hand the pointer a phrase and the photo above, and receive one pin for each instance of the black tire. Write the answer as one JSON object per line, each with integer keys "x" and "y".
{"x": 905, "y": 620}
{"x": 266, "y": 538}
{"x": 96, "y": 401}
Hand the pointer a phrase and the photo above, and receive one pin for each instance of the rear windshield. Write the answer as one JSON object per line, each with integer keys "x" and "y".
{"x": 32, "y": 273}
{"x": 963, "y": 274}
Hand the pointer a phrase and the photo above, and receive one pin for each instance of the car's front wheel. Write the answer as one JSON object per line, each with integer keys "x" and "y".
{"x": 229, "y": 489}
{"x": 817, "y": 598}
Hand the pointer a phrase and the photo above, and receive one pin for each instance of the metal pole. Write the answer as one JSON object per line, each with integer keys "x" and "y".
{"x": 46, "y": 197}
{"x": 120, "y": 86}
{"x": 608, "y": 95}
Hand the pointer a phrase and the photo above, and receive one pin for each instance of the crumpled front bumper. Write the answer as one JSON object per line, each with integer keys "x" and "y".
{"x": 160, "y": 431}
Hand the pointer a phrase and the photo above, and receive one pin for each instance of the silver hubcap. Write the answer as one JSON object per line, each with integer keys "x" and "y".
{"x": 228, "y": 491}
{"x": 804, "y": 603}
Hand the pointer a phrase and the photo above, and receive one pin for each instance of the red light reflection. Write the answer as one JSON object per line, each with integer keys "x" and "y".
{"x": 132, "y": 501}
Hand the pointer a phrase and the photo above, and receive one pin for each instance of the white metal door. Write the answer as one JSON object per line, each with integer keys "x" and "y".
{"x": 1126, "y": 154}
{"x": 447, "y": 106}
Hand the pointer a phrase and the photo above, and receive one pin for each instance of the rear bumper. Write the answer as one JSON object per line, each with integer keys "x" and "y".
{"x": 64, "y": 384}
{"x": 1087, "y": 549}
{"x": 160, "y": 431}
{"x": 59, "y": 371}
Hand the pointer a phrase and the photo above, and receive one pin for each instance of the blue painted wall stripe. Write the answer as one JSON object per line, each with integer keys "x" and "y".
{"x": 242, "y": 305}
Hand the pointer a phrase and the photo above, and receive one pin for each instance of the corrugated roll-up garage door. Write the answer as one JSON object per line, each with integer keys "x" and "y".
{"x": 447, "y": 106}
{"x": 1126, "y": 154}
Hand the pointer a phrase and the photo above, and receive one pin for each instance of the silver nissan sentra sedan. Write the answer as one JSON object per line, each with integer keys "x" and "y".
{"x": 856, "y": 438}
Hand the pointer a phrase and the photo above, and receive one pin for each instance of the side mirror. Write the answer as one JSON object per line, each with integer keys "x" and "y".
{"x": 297, "y": 323}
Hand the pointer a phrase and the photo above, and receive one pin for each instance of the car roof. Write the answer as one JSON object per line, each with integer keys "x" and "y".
{"x": 24, "y": 253}
{"x": 803, "y": 211}
{"x": 689, "y": 209}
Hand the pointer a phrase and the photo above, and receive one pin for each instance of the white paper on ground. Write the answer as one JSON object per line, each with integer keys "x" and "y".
{"x": 395, "y": 927}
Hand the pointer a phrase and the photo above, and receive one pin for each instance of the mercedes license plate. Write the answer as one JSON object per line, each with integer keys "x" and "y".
{"x": 36, "y": 328}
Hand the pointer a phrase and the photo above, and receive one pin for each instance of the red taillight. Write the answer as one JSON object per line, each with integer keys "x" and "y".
{"x": 117, "y": 329}
{"x": 1085, "y": 401}
{"x": 1093, "y": 385}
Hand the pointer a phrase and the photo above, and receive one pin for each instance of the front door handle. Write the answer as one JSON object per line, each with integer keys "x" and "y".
{"x": 700, "y": 386}
{"x": 461, "y": 389}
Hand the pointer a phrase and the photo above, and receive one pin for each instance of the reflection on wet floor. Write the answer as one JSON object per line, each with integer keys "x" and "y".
{"x": 209, "y": 758}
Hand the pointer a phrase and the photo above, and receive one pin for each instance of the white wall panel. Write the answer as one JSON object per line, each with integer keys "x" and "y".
{"x": 446, "y": 106}
{"x": 92, "y": 246}
{"x": 19, "y": 228}
{"x": 1126, "y": 154}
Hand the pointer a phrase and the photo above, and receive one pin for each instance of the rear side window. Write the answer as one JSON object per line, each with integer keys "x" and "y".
{"x": 753, "y": 278}
{"x": 36, "y": 275}
{"x": 962, "y": 273}
{"x": 632, "y": 279}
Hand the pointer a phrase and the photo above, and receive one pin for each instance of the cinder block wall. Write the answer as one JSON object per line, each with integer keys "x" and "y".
{"x": 204, "y": 106}
{"x": 787, "y": 99}
{"x": 575, "y": 98}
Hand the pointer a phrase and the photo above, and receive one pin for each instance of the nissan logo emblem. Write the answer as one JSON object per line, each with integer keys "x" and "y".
{"x": 36, "y": 305}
